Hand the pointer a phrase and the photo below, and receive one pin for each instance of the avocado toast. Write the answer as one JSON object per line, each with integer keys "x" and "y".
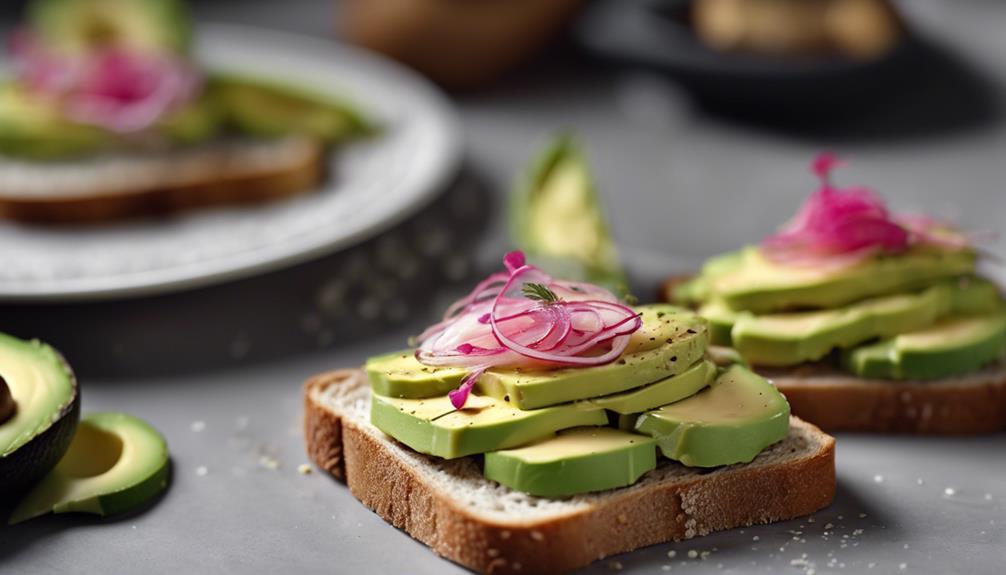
{"x": 864, "y": 319}
{"x": 543, "y": 425}
{"x": 108, "y": 116}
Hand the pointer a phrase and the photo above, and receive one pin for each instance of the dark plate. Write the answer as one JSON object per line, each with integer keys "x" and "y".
{"x": 657, "y": 34}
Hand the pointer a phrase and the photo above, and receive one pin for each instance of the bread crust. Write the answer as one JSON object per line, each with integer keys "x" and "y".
{"x": 621, "y": 521}
{"x": 233, "y": 185}
{"x": 840, "y": 402}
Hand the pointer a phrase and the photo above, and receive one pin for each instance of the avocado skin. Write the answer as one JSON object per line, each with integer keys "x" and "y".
{"x": 26, "y": 466}
{"x": 606, "y": 272}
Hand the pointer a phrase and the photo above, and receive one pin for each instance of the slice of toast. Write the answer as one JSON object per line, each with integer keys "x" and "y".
{"x": 125, "y": 185}
{"x": 489, "y": 528}
{"x": 835, "y": 400}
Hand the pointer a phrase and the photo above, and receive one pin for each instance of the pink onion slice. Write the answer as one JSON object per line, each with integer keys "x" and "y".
{"x": 499, "y": 324}
{"x": 838, "y": 227}
{"x": 121, "y": 91}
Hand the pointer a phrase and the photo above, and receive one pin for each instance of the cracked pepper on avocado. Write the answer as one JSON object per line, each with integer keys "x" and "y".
{"x": 565, "y": 390}
{"x": 849, "y": 286}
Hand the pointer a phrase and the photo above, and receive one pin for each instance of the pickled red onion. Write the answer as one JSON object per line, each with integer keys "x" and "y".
{"x": 844, "y": 226}
{"x": 119, "y": 90}
{"x": 498, "y": 325}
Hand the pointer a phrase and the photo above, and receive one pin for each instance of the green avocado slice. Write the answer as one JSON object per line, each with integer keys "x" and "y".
{"x": 33, "y": 128}
{"x": 575, "y": 461}
{"x": 115, "y": 463}
{"x": 270, "y": 108}
{"x": 749, "y": 282}
{"x": 433, "y": 426}
{"x": 790, "y": 339}
{"x": 674, "y": 388}
{"x": 557, "y": 218}
{"x": 681, "y": 342}
{"x": 400, "y": 374}
{"x": 43, "y": 405}
{"x": 952, "y": 346}
{"x": 77, "y": 26}
{"x": 732, "y": 421}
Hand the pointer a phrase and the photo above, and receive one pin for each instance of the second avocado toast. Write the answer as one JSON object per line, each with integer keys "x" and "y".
{"x": 864, "y": 319}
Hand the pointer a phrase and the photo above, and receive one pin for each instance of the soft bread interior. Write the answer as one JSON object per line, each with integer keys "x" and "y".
{"x": 461, "y": 480}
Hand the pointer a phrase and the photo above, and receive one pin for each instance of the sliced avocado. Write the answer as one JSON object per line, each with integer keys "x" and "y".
{"x": 721, "y": 320}
{"x": 433, "y": 426}
{"x": 793, "y": 338}
{"x": 674, "y": 388}
{"x": 575, "y": 461}
{"x": 270, "y": 108}
{"x": 43, "y": 406}
{"x": 115, "y": 463}
{"x": 401, "y": 375}
{"x": 732, "y": 421}
{"x": 681, "y": 343}
{"x": 77, "y": 26}
{"x": 557, "y": 219}
{"x": 32, "y": 127}
{"x": 757, "y": 285}
{"x": 952, "y": 346}
{"x": 197, "y": 121}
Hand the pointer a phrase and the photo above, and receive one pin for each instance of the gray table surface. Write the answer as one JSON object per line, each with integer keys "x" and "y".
{"x": 219, "y": 370}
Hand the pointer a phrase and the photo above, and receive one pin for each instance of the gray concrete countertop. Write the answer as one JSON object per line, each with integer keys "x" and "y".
{"x": 219, "y": 370}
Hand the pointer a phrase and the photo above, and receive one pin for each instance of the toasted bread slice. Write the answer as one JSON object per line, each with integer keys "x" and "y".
{"x": 124, "y": 185}
{"x": 834, "y": 400}
{"x": 489, "y": 528}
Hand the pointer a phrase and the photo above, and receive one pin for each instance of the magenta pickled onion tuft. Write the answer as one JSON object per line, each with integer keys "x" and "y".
{"x": 844, "y": 226}
{"x": 121, "y": 91}
{"x": 504, "y": 322}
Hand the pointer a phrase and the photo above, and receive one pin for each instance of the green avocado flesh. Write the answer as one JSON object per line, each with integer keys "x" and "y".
{"x": 577, "y": 460}
{"x": 115, "y": 463}
{"x": 557, "y": 219}
{"x": 790, "y": 339}
{"x": 270, "y": 108}
{"x": 401, "y": 375}
{"x": 732, "y": 421}
{"x": 556, "y": 433}
{"x": 34, "y": 129}
{"x": 76, "y": 26}
{"x": 666, "y": 391}
{"x": 433, "y": 426}
{"x": 748, "y": 282}
{"x": 43, "y": 406}
{"x": 681, "y": 343}
{"x": 952, "y": 346}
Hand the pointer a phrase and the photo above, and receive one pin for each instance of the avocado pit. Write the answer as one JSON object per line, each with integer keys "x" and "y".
{"x": 7, "y": 405}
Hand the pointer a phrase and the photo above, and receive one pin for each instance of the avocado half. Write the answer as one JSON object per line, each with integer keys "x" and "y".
{"x": 46, "y": 410}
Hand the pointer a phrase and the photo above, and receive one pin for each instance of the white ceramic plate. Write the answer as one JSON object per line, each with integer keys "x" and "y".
{"x": 374, "y": 185}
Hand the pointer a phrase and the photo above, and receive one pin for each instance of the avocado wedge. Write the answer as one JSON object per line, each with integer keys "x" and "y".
{"x": 269, "y": 108}
{"x": 76, "y": 26}
{"x": 746, "y": 281}
{"x": 39, "y": 411}
{"x": 952, "y": 346}
{"x": 115, "y": 463}
{"x": 578, "y": 460}
{"x": 32, "y": 128}
{"x": 400, "y": 374}
{"x": 557, "y": 219}
{"x": 732, "y": 421}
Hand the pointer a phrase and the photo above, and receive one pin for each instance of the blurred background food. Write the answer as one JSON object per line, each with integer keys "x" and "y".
{"x": 853, "y": 28}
